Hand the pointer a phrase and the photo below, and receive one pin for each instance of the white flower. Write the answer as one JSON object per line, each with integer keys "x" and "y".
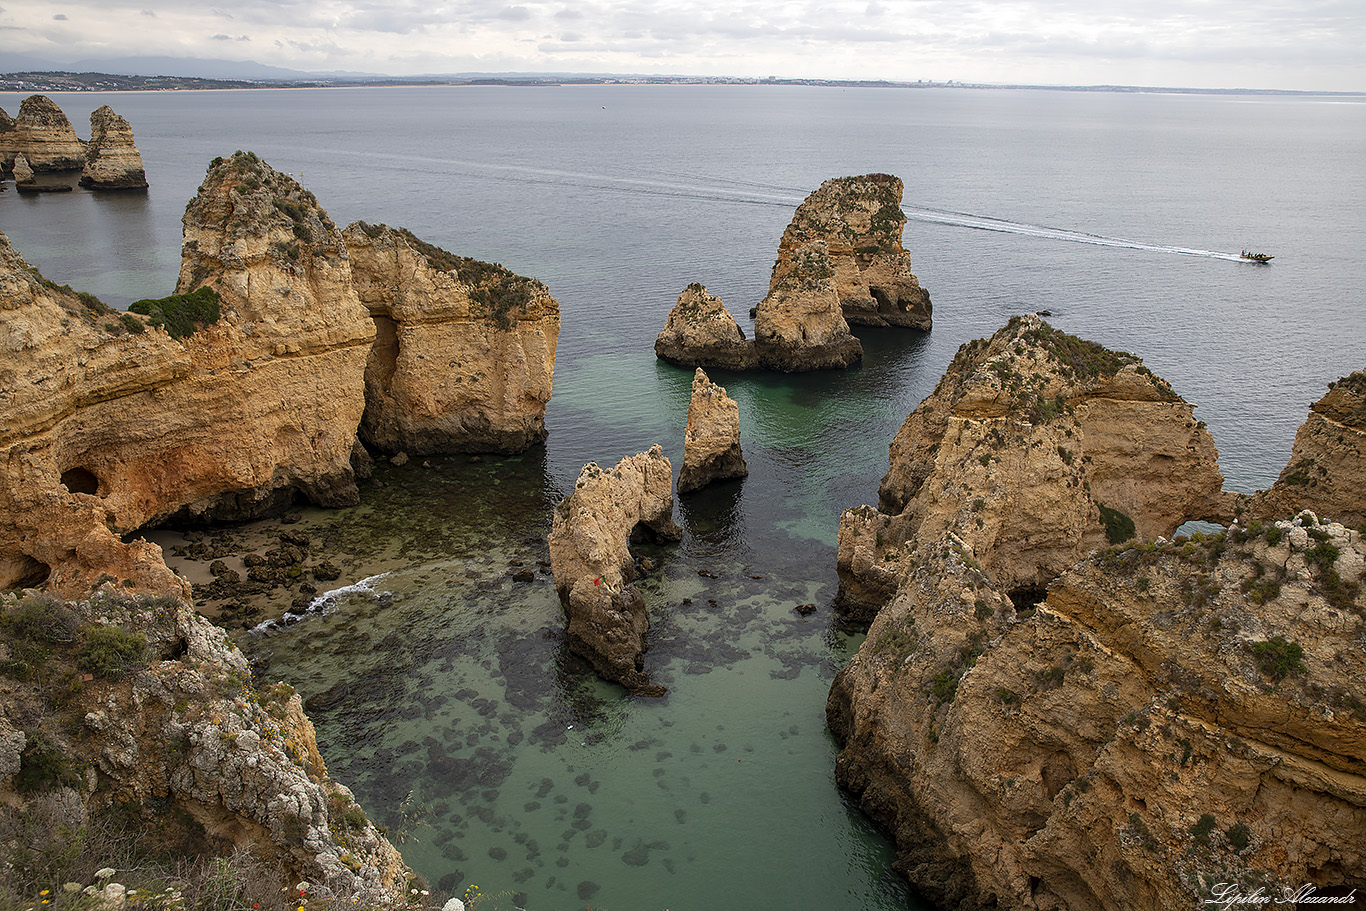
{"x": 104, "y": 873}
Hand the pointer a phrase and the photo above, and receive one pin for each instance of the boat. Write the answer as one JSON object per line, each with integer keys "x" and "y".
{"x": 1257, "y": 257}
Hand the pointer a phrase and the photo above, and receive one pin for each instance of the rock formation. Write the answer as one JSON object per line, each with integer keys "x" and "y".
{"x": 43, "y": 135}
{"x": 464, "y": 350}
{"x": 1173, "y": 717}
{"x": 112, "y": 160}
{"x": 1034, "y": 449}
{"x": 702, "y": 333}
{"x": 1327, "y": 468}
{"x": 591, "y": 560}
{"x": 859, "y": 219}
{"x": 169, "y": 716}
{"x": 711, "y": 444}
{"x": 799, "y": 325}
{"x": 23, "y": 173}
{"x": 106, "y": 428}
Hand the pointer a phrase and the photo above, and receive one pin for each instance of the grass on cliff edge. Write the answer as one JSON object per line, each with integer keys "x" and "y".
{"x": 182, "y": 315}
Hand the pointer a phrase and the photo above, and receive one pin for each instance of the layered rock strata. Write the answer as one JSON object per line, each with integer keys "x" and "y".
{"x": 702, "y": 333}
{"x": 464, "y": 351}
{"x": 43, "y": 135}
{"x": 1174, "y": 720}
{"x": 1327, "y": 468}
{"x": 591, "y": 560}
{"x": 112, "y": 159}
{"x": 1035, "y": 448}
{"x": 170, "y": 717}
{"x": 711, "y": 443}
{"x": 799, "y": 325}
{"x": 109, "y": 426}
{"x": 860, "y": 221}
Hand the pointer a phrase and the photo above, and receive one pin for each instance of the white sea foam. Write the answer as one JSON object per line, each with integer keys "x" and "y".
{"x": 321, "y": 604}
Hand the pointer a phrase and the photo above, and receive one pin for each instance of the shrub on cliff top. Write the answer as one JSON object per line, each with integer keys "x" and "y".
{"x": 1277, "y": 657}
{"x": 1118, "y": 526}
{"x": 181, "y": 314}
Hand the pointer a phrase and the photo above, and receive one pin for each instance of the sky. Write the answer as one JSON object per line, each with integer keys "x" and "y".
{"x": 1313, "y": 45}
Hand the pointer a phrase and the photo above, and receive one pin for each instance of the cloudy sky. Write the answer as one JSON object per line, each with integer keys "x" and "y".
{"x": 1285, "y": 44}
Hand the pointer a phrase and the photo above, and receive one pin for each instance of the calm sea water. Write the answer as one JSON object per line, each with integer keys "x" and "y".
{"x": 445, "y": 696}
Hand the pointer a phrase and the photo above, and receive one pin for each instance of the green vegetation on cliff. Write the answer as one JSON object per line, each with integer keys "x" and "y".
{"x": 181, "y": 314}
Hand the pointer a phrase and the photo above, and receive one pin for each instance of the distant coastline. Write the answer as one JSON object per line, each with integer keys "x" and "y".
{"x": 62, "y": 81}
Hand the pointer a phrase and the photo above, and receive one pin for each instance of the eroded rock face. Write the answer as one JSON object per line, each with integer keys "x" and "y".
{"x": 107, "y": 430}
{"x": 1327, "y": 468}
{"x": 799, "y": 325}
{"x": 112, "y": 160}
{"x": 178, "y": 721}
{"x": 591, "y": 560}
{"x": 859, "y": 219}
{"x": 1172, "y": 717}
{"x": 702, "y": 333}
{"x": 492, "y": 332}
{"x": 711, "y": 444}
{"x": 23, "y": 173}
{"x": 44, "y": 136}
{"x": 1035, "y": 448}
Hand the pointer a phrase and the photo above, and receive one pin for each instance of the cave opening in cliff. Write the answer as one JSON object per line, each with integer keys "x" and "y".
{"x": 81, "y": 480}
{"x": 30, "y": 573}
{"x": 885, "y": 304}
{"x": 1026, "y": 598}
{"x": 384, "y": 351}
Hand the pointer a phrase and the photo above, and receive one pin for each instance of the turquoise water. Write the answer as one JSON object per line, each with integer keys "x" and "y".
{"x": 446, "y": 698}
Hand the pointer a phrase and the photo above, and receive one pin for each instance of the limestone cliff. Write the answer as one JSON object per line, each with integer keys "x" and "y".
{"x": 1035, "y": 448}
{"x": 157, "y": 723}
{"x": 702, "y": 333}
{"x": 799, "y": 325}
{"x": 1174, "y": 716}
{"x": 112, "y": 159}
{"x": 1327, "y": 467}
{"x": 859, "y": 219}
{"x": 107, "y": 426}
{"x": 43, "y": 135}
{"x": 591, "y": 560}
{"x": 464, "y": 353}
{"x": 711, "y": 443}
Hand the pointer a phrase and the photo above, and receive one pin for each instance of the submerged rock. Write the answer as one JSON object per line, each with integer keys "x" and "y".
{"x": 112, "y": 160}
{"x": 702, "y": 333}
{"x": 711, "y": 443}
{"x": 859, "y": 219}
{"x": 494, "y": 331}
{"x": 799, "y": 325}
{"x": 591, "y": 561}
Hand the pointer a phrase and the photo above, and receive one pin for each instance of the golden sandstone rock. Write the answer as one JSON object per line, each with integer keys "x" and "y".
{"x": 701, "y": 332}
{"x": 799, "y": 325}
{"x": 711, "y": 443}
{"x": 112, "y": 159}
{"x": 41, "y": 133}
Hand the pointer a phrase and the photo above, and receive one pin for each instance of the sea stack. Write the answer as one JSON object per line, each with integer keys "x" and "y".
{"x": 494, "y": 331}
{"x": 701, "y": 332}
{"x": 591, "y": 560}
{"x": 112, "y": 160}
{"x": 799, "y": 325}
{"x": 711, "y": 444}
{"x": 859, "y": 219}
{"x": 43, "y": 135}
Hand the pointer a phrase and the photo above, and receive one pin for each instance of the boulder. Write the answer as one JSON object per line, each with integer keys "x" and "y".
{"x": 43, "y": 135}
{"x": 493, "y": 332}
{"x": 799, "y": 325}
{"x": 23, "y": 173}
{"x": 859, "y": 219}
{"x": 702, "y": 333}
{"x": 112, "y": 160}
{"x": 711, "y": 444}
{"x": 591, "y": 561}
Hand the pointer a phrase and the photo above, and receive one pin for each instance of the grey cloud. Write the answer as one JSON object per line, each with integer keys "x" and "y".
{"x": 60, "y": 17}
{"x": 515, "y": 13}
{"x": 569, "y": 14}
{"x": 149, "y": 12}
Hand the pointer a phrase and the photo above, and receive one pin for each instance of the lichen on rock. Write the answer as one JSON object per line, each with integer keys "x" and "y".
{"x": 711, "y": 442}
{"x": 701, "y": 332}
{"x": 799, "y": 325}
{"x": 860, "y": 221}
{"x": 593, "y": 567}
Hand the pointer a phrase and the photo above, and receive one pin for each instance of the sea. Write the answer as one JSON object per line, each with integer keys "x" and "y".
{"x": 440, "y": 685}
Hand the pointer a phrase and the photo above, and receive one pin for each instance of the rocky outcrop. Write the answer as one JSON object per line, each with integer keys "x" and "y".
{"x": 112, "y": 160}
{"x": 43, "y": 135}
{"x": 23, "y": 173}
{"x": 711, "y": 443}
{"x": 169, "y": 734}
{"x": 1035, "y": 448}
{"x": 591, "y": 560}
{"x": 799, "y": 325}
{"x": 1174, "y": 716}
{"x": 1327, "y": 468}
{"x": 702, "y": 333}
{"x": 859, "y": 219}
{"x": 492, "y": 332}
{"x": 106, "y": 427}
